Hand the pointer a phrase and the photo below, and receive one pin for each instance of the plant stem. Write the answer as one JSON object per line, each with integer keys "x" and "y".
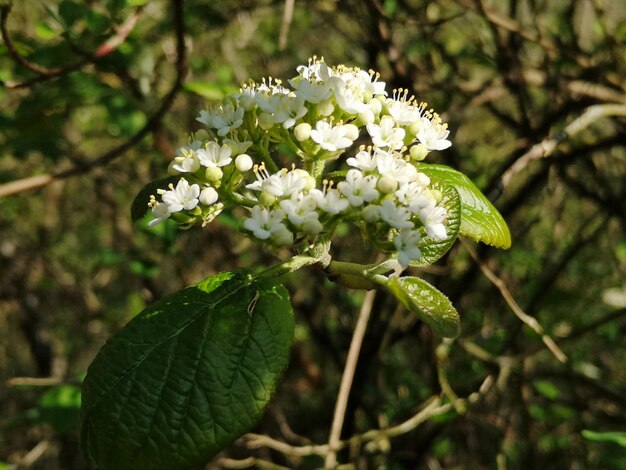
{"x": 346, "y": 379}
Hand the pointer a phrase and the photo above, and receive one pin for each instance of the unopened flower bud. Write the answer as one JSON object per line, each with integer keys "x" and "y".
{"x": 309, "y": 180}
{"x": 375, "y": 106}
{"x": 243, "y": 162}
{"x": 302, "y": 131}
{"x": 267, "y": 199}
{"x": 325, "y": 108}
{"x": 312, "y": 226}
{"x": 214, "y": 174}
{"x": 266, "y": 121}
{"x": 371, "y": 213}
{"x": 387, "y": 184}
{"x": 208, "y": 196}
{"x": 352, "y": 132}
{"x": 202, "y": 135}
{"x": 418, "y": 152}
{"x": 282, "y": 237}
{"x": 366, "y": 117}
{"x": 436, "y": 194}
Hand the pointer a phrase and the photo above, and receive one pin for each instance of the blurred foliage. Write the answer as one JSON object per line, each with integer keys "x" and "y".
{"x": 505, "y": 75}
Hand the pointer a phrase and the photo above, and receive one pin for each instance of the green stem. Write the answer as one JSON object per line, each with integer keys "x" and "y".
{"x": 315, "y": 168}
{"x": 262, "y": 147}
{"x": 294, "y": 264}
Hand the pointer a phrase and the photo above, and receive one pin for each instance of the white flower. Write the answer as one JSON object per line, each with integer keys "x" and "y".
{"x": 186, "y": 160}
{"x": 358, "y": 188}
{"x": 385, "y": 134}
{"x": 298, "y": 208}
{"x": 223, "y": 118}
{"x": 236, "y": 146}
{"x": 316, "y": 70}
{"x": 289, "y": 109}
{"x": 283, "y": 183}
{"x": 396, "y": 216}
{"x": 433, "y": 134}
{"x": 184, "y": 196}
{"x": 160, "y": 212}
{"x": 331, "y": 138}
{"x": 363, "y": 160}
{"x": 330, "y": 200}
{"x": 415, "y": 196}
{"x": 404, "y": 113}
{"x": 433, "y": 218}
{"x": 311, "y": 92}
{"x": 213, "y": 155}
{"x": 395, "y": 168}
{"x": 350, "y": 95}
{"x": 407, "y": 244}
{"x": 263, "y": 223}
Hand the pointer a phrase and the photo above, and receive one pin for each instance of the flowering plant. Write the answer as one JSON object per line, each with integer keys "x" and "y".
{"x": 194, "y": 371}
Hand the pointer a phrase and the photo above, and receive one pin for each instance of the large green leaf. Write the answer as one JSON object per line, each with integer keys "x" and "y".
{"x": 429, "y": 304}
{"x": 480, "y": 220}
{"x": 187, "y": 376}
{"x": 431, "y": 248}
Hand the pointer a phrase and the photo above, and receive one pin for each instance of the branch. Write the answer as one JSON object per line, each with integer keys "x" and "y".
{"x": 529, "y": 320}
{"x": 547, "y": 146}
{"x": 45, "y": 73}
{"x": 346, "y": 379}
{"x": 433, "y": 408}
{"x": 35, "y": 182}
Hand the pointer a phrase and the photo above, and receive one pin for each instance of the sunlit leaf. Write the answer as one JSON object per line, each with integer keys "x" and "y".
{"x": 480, "y": 220}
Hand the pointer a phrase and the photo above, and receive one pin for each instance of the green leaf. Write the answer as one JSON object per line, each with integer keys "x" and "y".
{"x": 480, "y": 220}
{"x": 618, "y": 438}
{"x": 60, "y": 407}
{"x": 428, "y": 303}
{"x": 140, "y": 207}
{"x": 431, "y": 248}
{"x": 208, "y": 90}
{"x": 187, "y": 376}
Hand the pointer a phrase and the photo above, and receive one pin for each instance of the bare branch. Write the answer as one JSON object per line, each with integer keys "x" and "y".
{"x": 529, "y": 320}
{"x": 547, "y": 146}
{"x": 153, "y": 123}
{"x": 45, "y": 73}
{"x": 346, "y": 379}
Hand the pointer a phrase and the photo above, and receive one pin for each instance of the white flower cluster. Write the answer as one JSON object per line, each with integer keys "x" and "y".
{"x": 335, "y": 117}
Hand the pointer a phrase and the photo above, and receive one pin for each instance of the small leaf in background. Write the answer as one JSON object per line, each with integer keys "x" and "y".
{"x": 480, "y": 220}
{"x": 428, "y": 303}
{"x": 433, "y": 249}
{"x": 187, "y": 376}
{"x": 140, "y": 208}
{"x": 618, "y": 438}
{"x": 209, "y": 90}
{"x": 60, "y": 407}
{"x": 547, "y": 389}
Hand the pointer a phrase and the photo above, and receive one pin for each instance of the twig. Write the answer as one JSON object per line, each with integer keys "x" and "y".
{"x": 40, "y": 382}
{"x": 40, "y": 181}
{"x": 248, "y": 463}
{"x": 46, "y": 73}
{"x": 529, "y": 320}
{"x": 284, "y": 28}
{"x": 434, "y": 407}
{"x": 346, "y": 380}
{"x": 547, "y": 146}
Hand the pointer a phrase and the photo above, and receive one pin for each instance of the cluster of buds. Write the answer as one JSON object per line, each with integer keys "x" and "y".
{"x": 332, "y": 147}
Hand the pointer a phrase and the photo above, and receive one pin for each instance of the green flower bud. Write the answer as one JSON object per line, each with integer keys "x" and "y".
{"x": 213, "y": 174}
{"x": 418, "y": 152}
{"x": 302, "y": 131}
